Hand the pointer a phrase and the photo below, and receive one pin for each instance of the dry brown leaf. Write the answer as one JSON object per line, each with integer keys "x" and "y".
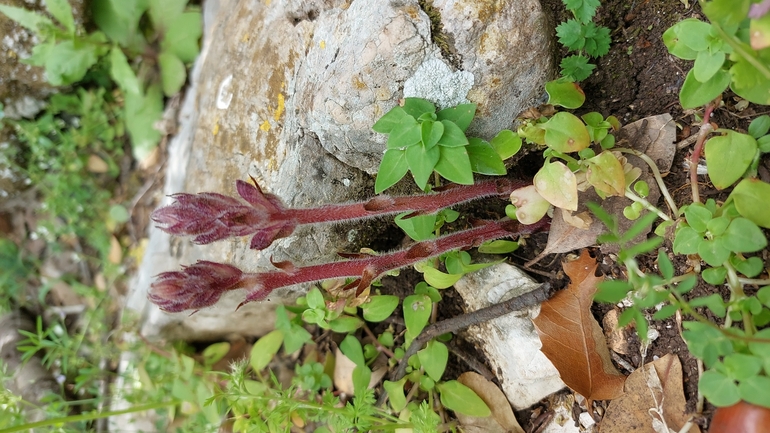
{"x": 502, "y": 419}
{"x": 572, "y": 338}
{"x": 635, "y": 411}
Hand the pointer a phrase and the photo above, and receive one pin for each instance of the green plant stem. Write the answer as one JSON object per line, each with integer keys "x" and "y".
{"x": 739, "y": 48}
{"x": 737, "y": 293}
{"x": 89, "y": 416}
{"x": 647, "y": 205}
{"x": 656, "y": 174}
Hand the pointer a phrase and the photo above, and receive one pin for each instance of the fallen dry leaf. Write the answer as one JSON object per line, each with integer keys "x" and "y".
{"x": 617, "y": 338}
{"x": 655, "y": 136}
{"x": 650, "y": 391}
{"x": 502, "y": 419}
{"x": 573, "y": 340}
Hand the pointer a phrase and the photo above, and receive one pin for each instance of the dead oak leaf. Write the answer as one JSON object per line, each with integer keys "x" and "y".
{"x": 573, "y": 340}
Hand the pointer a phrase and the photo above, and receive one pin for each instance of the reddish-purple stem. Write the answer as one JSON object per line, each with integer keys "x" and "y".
{"x": 705, "y": 128}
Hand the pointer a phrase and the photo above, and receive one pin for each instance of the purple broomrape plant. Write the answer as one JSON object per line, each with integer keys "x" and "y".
{"x": 211, "y": 217}
{"x": 201, "y": 285}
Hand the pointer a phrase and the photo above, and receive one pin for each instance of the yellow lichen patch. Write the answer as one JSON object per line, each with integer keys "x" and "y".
{"x": 322, "y": 44}
{"x": 265, "y": 126}
{"x": 215, "y": 129}
{"x": 245, "y": 38}
{"x": 279, "y": 109}
{"x": 358, "y": 84}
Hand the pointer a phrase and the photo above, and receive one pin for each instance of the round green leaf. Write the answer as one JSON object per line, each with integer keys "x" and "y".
{"x": 565, "y": 133}
{"x": 606, "y": 174}
{"x": 698, "y": 216}
{"x": 438, "y": 279}
{"x": 718, "y": 388}
{"x": 565, "y": 93}
{"x": 693, "y": 93}
{"x": 416, "y": 313}
{"x": 687, "y": 240}
{"x": 728, "y": 157}
{"x": 707, "y": 64}
{"x": 530, "y": 206}
{"x": 215, "y": 352}
{"x": 265, "y": 349}
{"x": 416, "y": 107}
{"x": 715, "y": 276}
{"x": 557, "y": 184}
{"x": 433, "y": 359}
{"x": 506, "y": 143}
{"x": 345, "y": 324}
{"x": 759, "y": 126}
{"x": 750, "y": 267}
{"x": 713, "y": 252}
{"x": 749, "y": 83}
{"x": 743, "y": 236}
{"x": 379, "y": 307}
{"x": 352, "y": 348}
{"x": 741, "y": 366}
{"x": 459, "y": 398}
{"x": 396, "y": 395}
{"x": 172, "y": 73}
{"x": 755, "y": 390}
{"x": 751, "y": 197}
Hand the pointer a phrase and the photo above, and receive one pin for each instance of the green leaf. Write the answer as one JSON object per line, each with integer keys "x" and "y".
{"x": 142, "y": 111}
{"x": 707, "y": 64}
{"x": 62, "y": 11}
{"x": 612, "y": 291}
{"x": 713, "y": 252}
{"x": 749, "y": 83}
{"x": 416, "y": 107}
{"x": 40, "y": 53}
{"x": 484, "y": 159}
{"x": 759, "y": 126}
{"x": 461, "y": 115}
{"x": 713, "y": 302}
{"x": 687, "y": 240}
{"x": 751, "y": 197}
{"x": 433, "y": 359}
{"x": 743, "y": 236}
{"x": 315, "y": 299}
{"x": 459, "y": 398}
{"x": 565, "y": 93}
{"x": 506, "y": 143}
{"x": 419, "y": 228}
{"x": 498, "y": 247}
{"x": 664, "y": 265}
{"x": 438, "y": 279}
{"x": 121, "y": 72}
{"x": 570, "y": 34}
{"x": 351, "y": 347}
{"x": 719, "y": 389}
{"x": 390, "y": 120}
{"x": 172, "y": 73}
{"x": 665, "y": 312}
{"x": 362, "y": 375}
{"x": 698, "y": 216}
{"x": 728, "y": 157}
{"x": 345, "y": 324}
{"x": 69, "y": 61}
{"x": 584, "y": 10}
{"x": 455, "y": 165}
{"x": 294, "y": 335}
{"x": 379, "y": 307}
{"x": 728, "y": 13}
{"x": 181, "y": 38}
{"x": 265, "y": 349}
{"x": 392, "y": 168}
{"x": 422, "y": 160}
{"x": 693, "y": 93}
{"x": 597, "y": 40}
{"x": 431, "y": 132}
{"x": 606, "y": 174}
{"x": 750, "y": 267}
{"x": 557, "y": 184}
{"x": 715, "y": 276}
{"x": 741, "y": 366}
{"x": 405, "y": 134}
{"x": 416, "y": 313}
{"x": 119, "y": 19}
{"x": 755, "y": 390}
{"x": 453, "y": 135}
{"x": 576, "y": 67}
{"x": 566, "y": 133}
{"x": 26, "y": 18}
{"x": 706, "y": 342}
{"x": 396, "y": 395}
{"x": 675, "y": 45}
{"x": 164, "y": 12}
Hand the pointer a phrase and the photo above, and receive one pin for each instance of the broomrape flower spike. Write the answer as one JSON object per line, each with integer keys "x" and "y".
{"x": 202, "y": 284}
{"x": 210, "y": 217}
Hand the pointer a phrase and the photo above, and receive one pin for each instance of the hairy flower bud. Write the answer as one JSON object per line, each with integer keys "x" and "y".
{"x": 194, "y": 287}
{"x": 211, "y": 217}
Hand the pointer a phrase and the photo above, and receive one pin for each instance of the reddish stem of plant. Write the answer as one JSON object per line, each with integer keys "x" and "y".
{"x": 199, "y": 285}
{"x": 211, "y": 217}
{"x": 705, "y": 128}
